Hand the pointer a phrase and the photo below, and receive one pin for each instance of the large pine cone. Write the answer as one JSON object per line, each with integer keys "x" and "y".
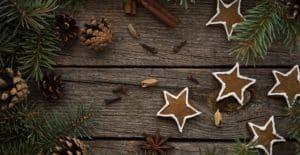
{"x": 96, "y": 35}
{"x": 70, "y": 146}
{"x": 293, "y": 9}
{"x": 51, "y": 85}
{"x": 13, "y": 88}
{"x": 65, "y": 27}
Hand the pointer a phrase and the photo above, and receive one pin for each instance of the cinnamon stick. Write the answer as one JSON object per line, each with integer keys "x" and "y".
{"x": 133, "y": 7}
{"x": 159, "y": 13}
{"x": 163, "y": 10}
{"x": 130, "y": 7}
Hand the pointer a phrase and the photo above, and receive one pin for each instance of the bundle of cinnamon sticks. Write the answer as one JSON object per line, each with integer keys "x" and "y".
{"x": 154, "y": 7}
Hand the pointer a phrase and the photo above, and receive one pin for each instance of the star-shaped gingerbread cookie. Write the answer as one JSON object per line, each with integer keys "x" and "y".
{"x": 233, "y": 84}
{"x": 265, "y": 136}
{"x": 178, "y": 108}
{"x": 228, "y": 15}
{"x": 287, "y": 85}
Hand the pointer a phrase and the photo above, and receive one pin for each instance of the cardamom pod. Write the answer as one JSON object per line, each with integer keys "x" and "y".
{"x": 218, "y": 118}
{"x": 149, "y": 82}
{"x": 133, "y": 31}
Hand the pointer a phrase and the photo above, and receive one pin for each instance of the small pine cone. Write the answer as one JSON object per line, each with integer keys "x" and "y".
{"x": 13, "y": 88}
{"x": 293, "y": 9}
{"x": 96, "y": 35}
{"x": 51, "y": 85}
{"x": 65, "y": 28}
{"x": 70, "y": 146}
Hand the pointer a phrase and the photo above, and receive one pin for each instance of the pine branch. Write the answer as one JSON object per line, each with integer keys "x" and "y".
{"x": 76, "y": 123}
{"x": 294, "y": 121}
{"x": 40, "y": 49}
{"x": 31, "y": 14}
{"x": 7, "y": 49}
{"x": 242, "y": 149}
{"x": 27, "y": 130}
{"x": 256, "y": 34}
{"x": 291, "y": 34}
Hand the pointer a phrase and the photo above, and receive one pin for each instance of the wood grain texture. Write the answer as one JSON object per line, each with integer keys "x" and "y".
{"x": 207, "y": 46}
{"x": 136, "y": 112}
{"x": 131, "y": 147}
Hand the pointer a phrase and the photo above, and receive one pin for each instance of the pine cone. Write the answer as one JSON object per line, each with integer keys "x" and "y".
{"x": 293, "y": 9}
{"x": 13, "y": 88}
{"x": 96, "y": 36}
{"x": 51, "y": 85}
{"x": 65, "y": 27}
{"x": 70, "y": 146}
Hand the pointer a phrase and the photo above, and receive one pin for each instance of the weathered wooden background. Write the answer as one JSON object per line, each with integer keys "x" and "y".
{"x": 90, "y": 76}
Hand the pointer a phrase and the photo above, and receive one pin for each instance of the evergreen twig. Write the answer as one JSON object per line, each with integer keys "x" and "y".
{"x": 243, "y": 149}
{"x": 28, "y": 130}
{"x": 294, "y": 121}
{"x": 40, "y": 49}
{"x": 264, "y": 23}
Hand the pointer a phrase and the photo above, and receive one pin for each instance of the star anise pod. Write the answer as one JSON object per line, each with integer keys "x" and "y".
{"x": 156, "y": 144}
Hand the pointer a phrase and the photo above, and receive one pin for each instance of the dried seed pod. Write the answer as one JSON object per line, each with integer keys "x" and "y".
{"x": 133, "y": 31}
{"x": 149, "y": 83}
{"x": 218, "y": 118}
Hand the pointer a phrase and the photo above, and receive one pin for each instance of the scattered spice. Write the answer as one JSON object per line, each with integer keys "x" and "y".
{"x": 149, "y": 82}
{"x": 112, "y": 100}
{"x": 177, "y": 48}
{"x": 159, "y": 11}
{"x": 149, "y": 48}
{"x": 218, "y": 118}
{"x": 133, "y": 31}
{"x": 192, "y": 79}
{"x": 120, "y": 90}
{"x": 156, "y": 144}
{"x": 130, "y": 7}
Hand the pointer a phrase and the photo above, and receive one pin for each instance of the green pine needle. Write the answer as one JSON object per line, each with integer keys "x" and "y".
{"x": 27, "y": 129}
{"x": 40, "y": 49}
{"x": 294, "y": 121}
{"x": 243, "y": 149}
{"x": 264, "y": 23}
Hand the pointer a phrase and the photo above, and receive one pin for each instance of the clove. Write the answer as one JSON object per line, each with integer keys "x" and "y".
{"x": 177, "y": 48}
{"x": 192, "y": 79}
{"x": 149, "y": 48}
{"x": 112, "y": 100}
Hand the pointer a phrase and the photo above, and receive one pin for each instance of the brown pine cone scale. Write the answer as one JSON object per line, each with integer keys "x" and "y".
{"x": 51, "y": 85}
{"x": 13, "y": 88}
{"x": 96, "y": 35}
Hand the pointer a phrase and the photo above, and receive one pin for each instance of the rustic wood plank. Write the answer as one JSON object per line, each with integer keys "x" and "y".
{"x": 136, "y": 112}
{"x": 207, "y": 46}
{"x": 131, "y": 147}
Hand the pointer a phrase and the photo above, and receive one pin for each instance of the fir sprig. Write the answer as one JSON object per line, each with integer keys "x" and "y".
{"x": 294, "y": 121}
{"x": 40, "y": 49}
{"x": 242, "y": 149}
{"x": 264, "y": 23}
{"x": 26, "y": 38}
{"x": 27, "y": 129}
{"x": 28, "y": 14}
